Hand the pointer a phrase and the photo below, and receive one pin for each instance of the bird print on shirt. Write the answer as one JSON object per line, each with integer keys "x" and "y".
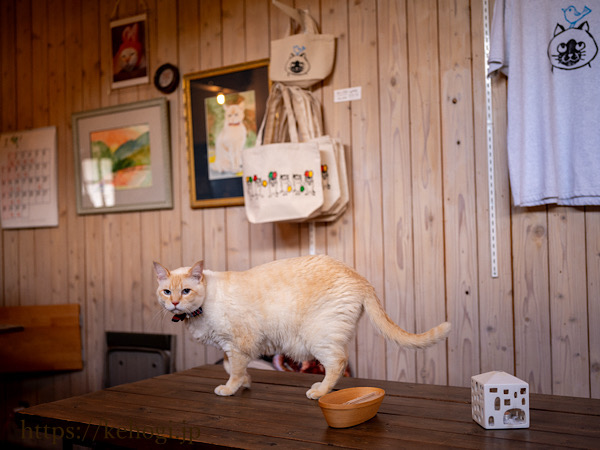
{"x": 573, "y": 16}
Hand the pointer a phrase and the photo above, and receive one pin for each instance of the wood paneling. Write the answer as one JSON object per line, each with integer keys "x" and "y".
{"x": 417, "y": 225}
{"x": 397, "y": 191}
{"x": 366, "y": 186}
{"x": 426, "y": 179}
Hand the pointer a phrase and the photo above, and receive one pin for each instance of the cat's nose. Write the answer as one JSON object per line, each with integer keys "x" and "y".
{"x": 175, "y": 302}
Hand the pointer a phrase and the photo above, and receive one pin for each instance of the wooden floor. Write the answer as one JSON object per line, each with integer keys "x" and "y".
{"x": 169, "y": 410}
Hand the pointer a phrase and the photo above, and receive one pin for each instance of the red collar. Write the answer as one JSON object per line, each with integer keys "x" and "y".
{"x": 178, "y": 317}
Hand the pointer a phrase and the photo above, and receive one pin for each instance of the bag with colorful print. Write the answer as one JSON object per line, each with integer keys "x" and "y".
{"x": 282, "y": 181}
{"x": 276, "y": 169}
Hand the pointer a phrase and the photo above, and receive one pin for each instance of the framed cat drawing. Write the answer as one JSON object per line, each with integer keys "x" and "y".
{"x": 224, "y": 108}
{"x": 129, "y": 51}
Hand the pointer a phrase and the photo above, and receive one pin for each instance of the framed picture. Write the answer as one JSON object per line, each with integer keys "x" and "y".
{"x": 28, "y": 178}
{"x": 224, "y": 110}
{"x": 129, "y": 51}
{"x": 123, "y": 158}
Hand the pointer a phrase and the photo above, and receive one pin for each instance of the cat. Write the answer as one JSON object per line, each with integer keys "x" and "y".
{"x": 302, "y": 307}
{"x": 297, "y": 63}
{"x": 231, "y": 140}
{"x": 572, "y": 48}
{"x": 129, "y": 57}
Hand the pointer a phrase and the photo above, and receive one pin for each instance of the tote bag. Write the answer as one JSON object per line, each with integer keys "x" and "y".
{"x": 282, "y": 182}
{"x": 330, "y": 178}
{"x": 341, "y": 205}
{"x": 314, "y": 171}
{"x": 301, "y": 59}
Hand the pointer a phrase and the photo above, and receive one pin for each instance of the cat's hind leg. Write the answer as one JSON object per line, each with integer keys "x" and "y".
{"x": 235, "y": 365}
{"x": 334, "y": 368}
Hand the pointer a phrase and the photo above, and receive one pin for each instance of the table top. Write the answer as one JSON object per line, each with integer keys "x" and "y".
{"x": 169, "y": 410}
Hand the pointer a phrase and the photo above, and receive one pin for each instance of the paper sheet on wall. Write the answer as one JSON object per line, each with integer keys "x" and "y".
{"x": 28, "y": 186}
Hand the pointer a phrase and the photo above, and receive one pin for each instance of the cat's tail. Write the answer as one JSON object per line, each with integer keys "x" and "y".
{"x": 394, "y": 333}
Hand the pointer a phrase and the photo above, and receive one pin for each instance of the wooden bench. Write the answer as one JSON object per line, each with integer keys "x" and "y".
{"x": 40, "y": 338}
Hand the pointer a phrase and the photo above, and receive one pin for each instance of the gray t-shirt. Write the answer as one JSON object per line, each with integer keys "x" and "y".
{"x": 549, "y": 51}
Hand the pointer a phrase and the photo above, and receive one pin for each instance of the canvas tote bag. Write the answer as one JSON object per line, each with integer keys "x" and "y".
{"x": 341, "y": 205}
{"x": 294, "y": 114}
{"x": 301, "y": 59}
{"x": 334, "y": 179}
{"x": 308, "y": 121}
{"x": 281, "y": 181}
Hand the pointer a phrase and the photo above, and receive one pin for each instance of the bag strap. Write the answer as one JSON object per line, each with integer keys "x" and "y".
{"x": 291, "y": 112}
{"x": 291, "y": 117}
{"x": 300, "y": 16}
{"x": 307, "y": 111}
{"x": 267, "y": 132}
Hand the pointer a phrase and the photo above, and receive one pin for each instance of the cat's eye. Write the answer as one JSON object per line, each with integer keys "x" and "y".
{"x": 186, "y": 291}
{"x": 562, "y": 48}
{"x": 166, "y": 292}
{"x": 579, "y": 46}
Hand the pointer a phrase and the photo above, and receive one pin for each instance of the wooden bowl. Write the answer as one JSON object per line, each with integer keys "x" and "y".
{"x": 349, "y": 407}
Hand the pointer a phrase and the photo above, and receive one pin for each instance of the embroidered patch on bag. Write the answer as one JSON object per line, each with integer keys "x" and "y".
{"x": 297, "y": 63}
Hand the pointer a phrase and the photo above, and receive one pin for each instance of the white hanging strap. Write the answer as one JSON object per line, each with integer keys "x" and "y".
{"x": 291, "y": 119}
{"x": 309, "y": 24}
{"x": 292, "y": 12}
{"x": 115, "y": 12}
{"x": 302, "y": 114}
{"x": 279, "y": 117}
{"x": 307, "y": 111}
{"x": 265, "y": 136}
{"x": 317, "y": 115}
{"x": 292, "y": 113}
{"x": 300, "y": 16}
{"x": 268, "y": 128}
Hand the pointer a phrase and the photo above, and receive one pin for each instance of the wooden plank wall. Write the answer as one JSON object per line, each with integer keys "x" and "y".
{"x": 417, "y": 226}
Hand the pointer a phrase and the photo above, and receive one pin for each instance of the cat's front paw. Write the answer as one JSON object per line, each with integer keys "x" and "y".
{"x": 247, "y": 382}
{"x": 316, "y": 391}
{"x": 224, "y": 391}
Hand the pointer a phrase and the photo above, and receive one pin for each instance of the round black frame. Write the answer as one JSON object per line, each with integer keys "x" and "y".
{"x": 173, "y": 84}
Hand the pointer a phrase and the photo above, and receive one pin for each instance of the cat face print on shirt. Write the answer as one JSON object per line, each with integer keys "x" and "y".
{"x": 572, "y": 47}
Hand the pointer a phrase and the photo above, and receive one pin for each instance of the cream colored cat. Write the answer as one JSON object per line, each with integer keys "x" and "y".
{"x": 231, "y": 140}
{"x": 302, "y": 307}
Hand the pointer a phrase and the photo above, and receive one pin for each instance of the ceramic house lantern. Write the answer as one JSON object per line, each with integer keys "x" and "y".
{"x": 499, "y": 400}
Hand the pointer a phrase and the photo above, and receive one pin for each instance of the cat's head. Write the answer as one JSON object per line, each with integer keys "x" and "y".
{"x": 572, "y": 48}
{"x": 128, "y": 59}
{"x": 234, "y": 114}
{"x": 181, "y": 291}
{"x": 297, "y": 63}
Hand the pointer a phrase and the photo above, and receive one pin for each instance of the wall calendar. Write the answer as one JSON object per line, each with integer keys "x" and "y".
{"x": 28, "y": 181}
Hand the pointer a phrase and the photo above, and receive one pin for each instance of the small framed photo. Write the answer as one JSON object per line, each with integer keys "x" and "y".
{"x": 123, "y": 158}
{"x": 224, "y": 110}
{"x": 129, "y": 51}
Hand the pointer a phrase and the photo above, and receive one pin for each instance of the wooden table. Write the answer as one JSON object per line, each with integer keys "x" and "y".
{"x": 181, "y": 408}
{"x": 6, "y": 328}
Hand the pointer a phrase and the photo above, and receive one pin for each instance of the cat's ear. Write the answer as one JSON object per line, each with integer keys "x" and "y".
{"x": 584, "y": 26}
{"x": 196, "y": 270}
{"x": 161, "y": 273}
{"x": 559, "y": 29}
